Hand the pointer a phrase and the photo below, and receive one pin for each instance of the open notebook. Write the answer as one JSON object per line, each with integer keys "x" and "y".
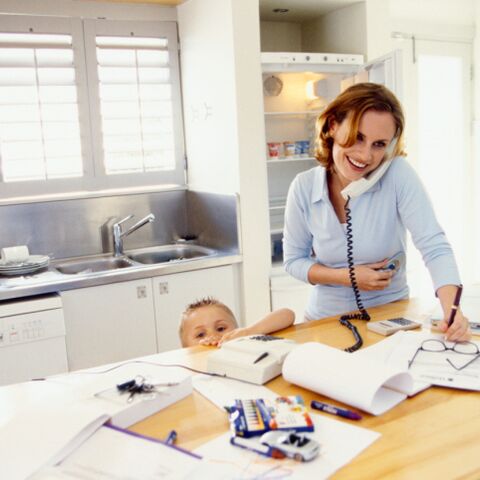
{"x": 357, "y": 381}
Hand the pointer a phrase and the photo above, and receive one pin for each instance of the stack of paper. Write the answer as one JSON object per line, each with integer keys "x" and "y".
{"x": 360, "y": 382}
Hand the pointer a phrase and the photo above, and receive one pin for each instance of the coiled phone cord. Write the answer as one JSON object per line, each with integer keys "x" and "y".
{"x": 363, "y": 315}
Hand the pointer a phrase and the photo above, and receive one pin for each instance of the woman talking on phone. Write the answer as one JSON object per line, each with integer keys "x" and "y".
{"x": 360, "y": 132}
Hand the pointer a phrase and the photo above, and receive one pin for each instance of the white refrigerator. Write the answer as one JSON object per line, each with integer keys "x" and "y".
{"x": 297, "y": 86}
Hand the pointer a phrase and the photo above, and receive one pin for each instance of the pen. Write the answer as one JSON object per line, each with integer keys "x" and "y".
{"x": 171, "y": 438}
{"x": 261, "y": 357}
{"x": 325, "y": 407}
{"x": 456, "y": 304}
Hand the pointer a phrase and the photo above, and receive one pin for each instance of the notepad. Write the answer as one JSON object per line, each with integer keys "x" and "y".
{"x": 359, "y": 382}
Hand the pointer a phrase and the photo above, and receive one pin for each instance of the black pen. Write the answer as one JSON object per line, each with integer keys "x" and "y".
{"x": 261, "y": 357}
{"x": 456, "y": 304}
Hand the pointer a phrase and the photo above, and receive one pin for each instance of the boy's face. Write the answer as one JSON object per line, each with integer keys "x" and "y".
{"x": 208, "y": 321}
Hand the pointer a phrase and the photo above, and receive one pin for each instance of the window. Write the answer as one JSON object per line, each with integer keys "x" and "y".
{"x": 88, "y": 105}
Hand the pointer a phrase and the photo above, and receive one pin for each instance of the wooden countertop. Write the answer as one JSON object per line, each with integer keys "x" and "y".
{"x": 435, "y": 434}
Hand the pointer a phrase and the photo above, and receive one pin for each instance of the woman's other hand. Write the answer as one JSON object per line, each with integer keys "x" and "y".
{"x": 369, "y": 277}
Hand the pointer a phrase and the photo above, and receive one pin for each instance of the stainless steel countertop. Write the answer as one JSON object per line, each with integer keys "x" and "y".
{"x": 51, "y": 280}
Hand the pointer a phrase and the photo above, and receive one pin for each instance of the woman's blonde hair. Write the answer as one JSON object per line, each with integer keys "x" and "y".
{"x": 350, "y": 106}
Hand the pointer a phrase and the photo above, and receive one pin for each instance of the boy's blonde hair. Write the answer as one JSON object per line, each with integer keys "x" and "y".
{"x": 203, "y": 302}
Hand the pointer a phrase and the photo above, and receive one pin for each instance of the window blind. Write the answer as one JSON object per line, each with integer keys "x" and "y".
{"x": 39, "y": 115}
{"x": 136, "y": 107}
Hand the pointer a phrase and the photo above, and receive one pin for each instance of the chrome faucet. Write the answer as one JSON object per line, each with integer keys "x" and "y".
{"x": 118, "y": 234}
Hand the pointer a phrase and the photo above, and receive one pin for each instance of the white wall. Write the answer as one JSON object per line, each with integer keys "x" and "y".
{"x": 90, "y": 9}
{"x": 222, "y": 87}
{"x": 280, "y": 36}
{"x": 476, "y": 134}
{"x": 341, "y": 31}
{"x": 378, "y": 29}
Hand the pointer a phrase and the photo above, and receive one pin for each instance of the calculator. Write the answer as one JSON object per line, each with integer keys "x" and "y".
{"x": 387, "y": 327}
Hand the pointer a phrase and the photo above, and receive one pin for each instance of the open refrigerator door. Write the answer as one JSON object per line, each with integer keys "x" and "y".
{"x": 297, "y": 87}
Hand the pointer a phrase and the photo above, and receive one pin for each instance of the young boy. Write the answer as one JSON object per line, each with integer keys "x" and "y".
{"x": 210, "y": 322}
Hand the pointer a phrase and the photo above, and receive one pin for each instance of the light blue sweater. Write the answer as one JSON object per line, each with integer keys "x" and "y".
{"x": 380, "y": 218}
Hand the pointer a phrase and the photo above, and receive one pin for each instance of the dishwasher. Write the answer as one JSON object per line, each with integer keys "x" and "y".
{"x": 32, "y": 338}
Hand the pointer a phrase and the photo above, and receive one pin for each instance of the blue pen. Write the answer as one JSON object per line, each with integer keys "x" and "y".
{"x": 341, "y": 412}
{"x": 171, "y": 438}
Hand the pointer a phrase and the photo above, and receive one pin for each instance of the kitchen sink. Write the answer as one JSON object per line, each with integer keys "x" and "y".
{"x": 169, "y": 253}
{"x": 92, "y": 265}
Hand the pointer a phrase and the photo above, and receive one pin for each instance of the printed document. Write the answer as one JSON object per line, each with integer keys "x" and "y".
{"x": 432, "y": 367}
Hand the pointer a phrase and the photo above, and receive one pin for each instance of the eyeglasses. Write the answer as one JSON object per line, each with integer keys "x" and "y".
{"x": 437, "y": 346}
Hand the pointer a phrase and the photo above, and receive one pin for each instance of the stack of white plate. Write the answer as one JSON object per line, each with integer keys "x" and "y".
{"x": 31, "y": 264}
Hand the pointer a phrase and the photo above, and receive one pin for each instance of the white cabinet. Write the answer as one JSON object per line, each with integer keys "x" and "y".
{"x": 172, "y": 293}
{"x": 109, "y": 323}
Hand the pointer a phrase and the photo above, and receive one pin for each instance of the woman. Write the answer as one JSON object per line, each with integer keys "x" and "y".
{"x": 354, "y": 132}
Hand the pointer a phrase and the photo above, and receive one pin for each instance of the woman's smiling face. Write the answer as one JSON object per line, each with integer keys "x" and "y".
{"x": 375, "y": 131}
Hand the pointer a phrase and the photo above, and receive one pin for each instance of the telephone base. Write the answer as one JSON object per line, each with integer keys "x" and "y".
{"x": 254, "y": 359}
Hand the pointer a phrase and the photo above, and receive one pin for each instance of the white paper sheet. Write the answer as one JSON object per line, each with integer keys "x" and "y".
{"x": 223, "y": 391}
{"x": 37, "y": 436}
{"x": 121, "y": 455}
{"x": 340, "y": 443}
{"x": 383, "y": 353}
{"x": 359, "y": 382}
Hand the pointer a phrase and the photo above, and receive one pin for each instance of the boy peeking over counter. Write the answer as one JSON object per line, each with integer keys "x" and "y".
{"x": 210, "y": 322}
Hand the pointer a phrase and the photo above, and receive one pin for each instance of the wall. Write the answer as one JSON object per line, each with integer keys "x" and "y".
{"x": 71, "y": 228}
{"x": 340, "y": 31}
{"x": 89, "y": 9}
{"x": 378, "y": 29}
{"x": 281, "y": 37}
{"x": 222, "y": 91}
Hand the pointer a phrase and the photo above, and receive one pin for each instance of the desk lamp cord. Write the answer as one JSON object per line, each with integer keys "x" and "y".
{"x": 363, "y": 314}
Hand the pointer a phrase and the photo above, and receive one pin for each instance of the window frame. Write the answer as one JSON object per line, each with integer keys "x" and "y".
{"x": 94, "y": 179}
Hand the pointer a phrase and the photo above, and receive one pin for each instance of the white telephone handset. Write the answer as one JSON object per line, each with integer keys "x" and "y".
{"x": 356, "y": 188}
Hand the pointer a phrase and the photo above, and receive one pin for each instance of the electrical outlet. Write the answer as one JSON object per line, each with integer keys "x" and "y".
{"x": 163, "y": 288}
{"x": 142, "y": 292}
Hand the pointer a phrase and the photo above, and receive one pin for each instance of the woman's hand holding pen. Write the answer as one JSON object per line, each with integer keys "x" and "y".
{"x": 369, "y": 277}
{"x": 455, "y": 325}
{"x": 459, "y": 330}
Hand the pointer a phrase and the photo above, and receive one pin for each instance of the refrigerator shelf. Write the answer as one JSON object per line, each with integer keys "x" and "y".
{"x": 291, "y": 159}
{"x": 301, "y": 112}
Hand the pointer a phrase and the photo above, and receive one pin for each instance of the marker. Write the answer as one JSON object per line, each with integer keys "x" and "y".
{"x": 261, "y": 357}
{"x": 456, "y": 304}
{"x": 325, "y": 407}
{"x": 171, "y": 438}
